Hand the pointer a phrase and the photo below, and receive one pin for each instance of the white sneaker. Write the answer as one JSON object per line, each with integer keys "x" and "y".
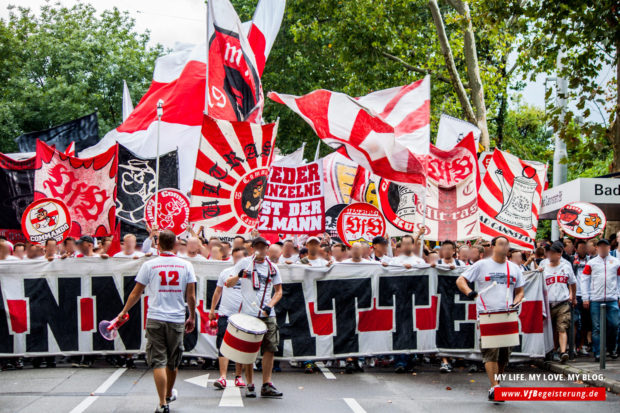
{"x": 173, "y": 396}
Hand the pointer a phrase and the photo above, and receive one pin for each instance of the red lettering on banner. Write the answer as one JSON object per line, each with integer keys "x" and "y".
{"x": 18, "y": 312}
{"x": 375, "y": 319}
{"x": 471, "y": 312}
{"x": 87, "y": 314}
{"x": 204, "y": 316}
{"x": 426, "y": 318}
{"x": 322, "y": 324}
{"x": 531, "y": 317}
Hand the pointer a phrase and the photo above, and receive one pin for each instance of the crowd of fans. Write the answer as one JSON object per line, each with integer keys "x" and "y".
{"x": 575, "y": 297}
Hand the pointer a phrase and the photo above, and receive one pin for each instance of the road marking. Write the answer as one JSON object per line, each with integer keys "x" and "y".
{"x": 328, "y": 374}
{"x": 85, "y": 404}
{"x": 231, "y": 397}
{"x": 202, "y": 380}
{"x": 354, "y": 405}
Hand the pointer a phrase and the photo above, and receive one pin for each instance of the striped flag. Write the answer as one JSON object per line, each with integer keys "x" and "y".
{"x": 387, "y": 132}
{"x": 509, "y": 199}
{"x": 231, "y": 175}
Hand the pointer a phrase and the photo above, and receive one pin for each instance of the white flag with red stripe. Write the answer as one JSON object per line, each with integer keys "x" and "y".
{"x": 231, "y": 175}
{"x": 179, "y": 80}
{"x": 387, "y": 132}
{"x": 509, "y": 199}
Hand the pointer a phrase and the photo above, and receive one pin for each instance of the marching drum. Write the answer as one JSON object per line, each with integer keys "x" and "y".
{"x": 243, "y": 338}
{"x": 499, "y": 329}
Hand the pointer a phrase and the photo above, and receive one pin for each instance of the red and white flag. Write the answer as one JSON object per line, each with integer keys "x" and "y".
{"x": 179, "y": 80}
{"x": 509, "y": 199}
{"x": 70, "y": 149}
{"x": 86, "y": 186}
{"x": 231, "y": 175}
{"x": 387, "y": 132}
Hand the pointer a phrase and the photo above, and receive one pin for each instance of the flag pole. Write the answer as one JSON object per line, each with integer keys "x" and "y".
{"x": 423, "y": 223}
{"x": 207, "y": 94}
{"x": 160, "y": 112}
{"x": 318, "y": 147}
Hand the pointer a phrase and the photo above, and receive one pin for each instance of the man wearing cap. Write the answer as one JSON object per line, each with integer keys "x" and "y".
{"x": 265, "y": 278}
{"x": 379, "y": 251}
{"x": 600, "y": 285}
{"x": 313, "y": 244}
{"x": 85, "y": 245}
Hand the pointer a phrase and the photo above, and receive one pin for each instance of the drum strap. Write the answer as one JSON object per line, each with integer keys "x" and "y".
{"x": 507, "y": 284}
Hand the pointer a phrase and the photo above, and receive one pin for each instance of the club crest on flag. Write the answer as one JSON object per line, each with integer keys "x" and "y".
{"x": 172, "y": 213}
{"x": 45, "y": 219}
{"x": 360, "y": 222}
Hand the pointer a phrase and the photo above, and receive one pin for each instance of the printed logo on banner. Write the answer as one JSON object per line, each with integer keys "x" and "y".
{"x": 173, "y": 211}
{"x": 517, "y": 198}
{"x": 398, "y": 205}
{"x": 249, "y": 195}
{"x": 294, "y": 201}
{"x": 331, "y": 221}
{"x": 360, "y": 223}
{"x": 45, "y": 219}
{"x": 581, "y": 220}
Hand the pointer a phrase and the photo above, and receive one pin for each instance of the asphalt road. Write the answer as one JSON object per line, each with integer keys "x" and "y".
{"x": 107, "y": 389}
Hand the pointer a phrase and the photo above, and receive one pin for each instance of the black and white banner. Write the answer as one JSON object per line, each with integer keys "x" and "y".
{"x": 347, "y": 310}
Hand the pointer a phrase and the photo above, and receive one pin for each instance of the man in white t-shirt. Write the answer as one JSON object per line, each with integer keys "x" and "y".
{"x": 129, "y": 248}
{"x": 407, "y": 258}
{"x": 230, "y": 303}
{"x": 289, "y": 256}
{"x": 265, "y": 278}
{"x": 380, "y": 247}
{"x": 169, "y": 282}
{"x": 560, "y": 283}
{"x": 5, "y": 252}
{"x": 194, "y": 247}
{"x": 501, "y": 284}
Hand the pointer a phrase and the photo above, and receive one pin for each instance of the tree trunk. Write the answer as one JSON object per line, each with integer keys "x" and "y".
{"x": 473, "y": 72}
{"x": 451, "y": 66}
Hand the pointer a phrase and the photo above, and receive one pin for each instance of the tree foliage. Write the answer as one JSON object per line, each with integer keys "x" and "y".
{"x": 62, "y": 63}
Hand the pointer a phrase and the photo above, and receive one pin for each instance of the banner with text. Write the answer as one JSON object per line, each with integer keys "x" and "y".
{"x": 346, "y": 310}
{"x": 294, "y": 201}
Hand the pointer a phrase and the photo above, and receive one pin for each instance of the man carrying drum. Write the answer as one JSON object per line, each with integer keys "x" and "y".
{"x": 231, "y": 301}
{"x": 501, "y": 285}
{"x": 265, "y": 278}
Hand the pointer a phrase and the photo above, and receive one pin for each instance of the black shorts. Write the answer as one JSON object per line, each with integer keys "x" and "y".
{"x": 222, "y": 325}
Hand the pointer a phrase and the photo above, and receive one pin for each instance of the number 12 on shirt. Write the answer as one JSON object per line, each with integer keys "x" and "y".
{"x": 172, "y": 276}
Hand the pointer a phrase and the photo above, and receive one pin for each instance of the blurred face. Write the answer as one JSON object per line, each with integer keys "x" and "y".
{"x": 473, "y": 254}
{"x": 19, "y": 251}
{"x": 313, "y": 248}
{"x": 225, "y": 250}
{"x": 516, "y": 258}
{"x": 380, "y": 249}
{"x": 338, "y": 253}
{"x": 569, "y": 248}
{"x": 274, "y": 252}
{"x": 85, "y": 248}
{"x": 554, "y": 256}
{"x": 603, "y": 250}
{"x": 406, "y": 246}
{"x": 216, "y": 253}
{"x": 288, "y": 249}
{"x": 193, "y": 247}
{"x": 129, "y": 244}
{"x": 432, "y": 258}
{"x": 447, "y": 251}
{"x": 324, "y": 253}
{"x": 591, "y": 248}
{"x": 261, "y": 250}
{"x": 463, "y": 253}
{"x": 500, "y": 250}
{"x": 356, "y": 251}
{"x": 238, "y": 243}
{"x": 366, "y": 250}
{"x": 51, "y": 248}
{"x": 582, "y": 249}
{"x": 4, "y": 250}
{"x": 237, "y": 256}
{"x": 70, "y": 247}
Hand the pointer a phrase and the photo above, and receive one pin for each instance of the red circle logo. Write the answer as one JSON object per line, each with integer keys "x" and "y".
{"x": 249, "y": 195}
{"x": 581, "y": 220}
{"x": 360, "y": 222}
{"x": 173, "y": 211}
{"x": 398, "y": 203}
{"x": 45, "y": 219}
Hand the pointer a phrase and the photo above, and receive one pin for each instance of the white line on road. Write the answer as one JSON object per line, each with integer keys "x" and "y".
{"x": 354, "y": 405}
{"x": 231, "y": 397}
{"x": 85, "y": 404}
{"x": 328, "y": 374}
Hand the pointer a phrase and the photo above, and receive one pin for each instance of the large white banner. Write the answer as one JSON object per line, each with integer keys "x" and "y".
{"x": 347, "y": 310}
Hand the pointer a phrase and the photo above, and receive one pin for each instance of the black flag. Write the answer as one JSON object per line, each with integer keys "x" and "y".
{"x": 136, "y": 182}
{"x": 83, "y": 131}
{"x": 16, "y": 190}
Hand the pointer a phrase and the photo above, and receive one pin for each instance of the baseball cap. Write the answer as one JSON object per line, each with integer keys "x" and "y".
{"x": 379, "y": 240}
{"x": 259, "y": 240}
{"x": 556, "y": 247}
{"x": 602, "y": 241}
{"x": 85, "y": 238}
{"x": 310, "y": 239}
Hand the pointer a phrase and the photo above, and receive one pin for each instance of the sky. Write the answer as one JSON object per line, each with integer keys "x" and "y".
{"x": 183, "y": 21}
